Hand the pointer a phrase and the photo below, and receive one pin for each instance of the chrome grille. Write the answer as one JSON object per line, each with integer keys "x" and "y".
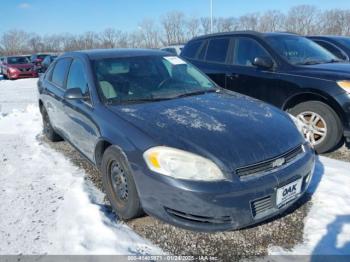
{"x": 269, "y": 164}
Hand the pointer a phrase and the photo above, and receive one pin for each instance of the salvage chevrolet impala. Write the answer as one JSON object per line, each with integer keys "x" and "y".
{"x": 171, "y": 143}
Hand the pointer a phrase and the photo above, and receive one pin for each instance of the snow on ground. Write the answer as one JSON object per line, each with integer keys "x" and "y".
{"x": 327, "y": 225}
{"x": 46, "y": 206}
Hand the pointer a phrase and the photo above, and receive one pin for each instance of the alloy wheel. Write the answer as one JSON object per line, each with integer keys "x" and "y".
{"x": 315, "y": 127}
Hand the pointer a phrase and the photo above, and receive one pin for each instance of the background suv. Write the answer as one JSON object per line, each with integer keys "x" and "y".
{"x": 37, "y": 60}
{"x": 337, "y": 45}
{"x": 287, "y": 70}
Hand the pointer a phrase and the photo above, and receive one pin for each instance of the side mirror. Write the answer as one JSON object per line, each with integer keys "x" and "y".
{"x": 74, "y": 94}
{"x": 263, "y": 62}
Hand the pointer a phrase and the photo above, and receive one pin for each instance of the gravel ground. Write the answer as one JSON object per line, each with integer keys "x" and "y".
{"x": 224, "y": 246}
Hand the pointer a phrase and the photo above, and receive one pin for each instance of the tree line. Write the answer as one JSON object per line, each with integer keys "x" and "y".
{"x": 175, "y": 27}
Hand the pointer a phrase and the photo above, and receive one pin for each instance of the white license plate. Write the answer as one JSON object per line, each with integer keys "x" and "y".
{"x": 288, "y": 192}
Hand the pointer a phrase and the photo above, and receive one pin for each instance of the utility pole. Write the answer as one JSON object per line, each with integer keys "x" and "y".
{"x": 211, "y": 16}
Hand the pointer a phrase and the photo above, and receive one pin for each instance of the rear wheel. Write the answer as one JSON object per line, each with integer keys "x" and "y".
{"x": 119, "y": 184}
{"x": 48, "y": 130}
{"x": 323, "y": 128}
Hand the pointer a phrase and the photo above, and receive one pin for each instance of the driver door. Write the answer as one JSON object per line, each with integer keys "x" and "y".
{"x": 248, "y": 79}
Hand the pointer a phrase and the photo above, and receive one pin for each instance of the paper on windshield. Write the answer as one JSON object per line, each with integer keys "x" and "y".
{"x": 175, "y": 60}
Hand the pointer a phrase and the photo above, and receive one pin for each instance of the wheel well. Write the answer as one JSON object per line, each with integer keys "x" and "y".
{"x": 100, "y": 148}
{"x": 304, "y": 97}
{"x": 41, "y": 105}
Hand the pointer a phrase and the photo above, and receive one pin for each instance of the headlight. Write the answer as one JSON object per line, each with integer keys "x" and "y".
{"x": 181, "y": 164}
{"x": 12, "y": 69}
{"x": 345, "y": 84}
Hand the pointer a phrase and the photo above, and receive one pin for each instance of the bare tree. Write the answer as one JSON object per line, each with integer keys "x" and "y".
{"x": 150, "y": 34}
{"x": 226, "y": 24}
{"x": 205, "y": 23}
{"x": 173, "y": 25}
{"x": 193, "y": 27}
{"x": 249, "y": 21}
{"x": 335, "y": 21}
{"x": 14, "y": 42}
{"x": 272, "y": 20}
{"x": 302, "y": 19}
{"x": 35, "y": 44}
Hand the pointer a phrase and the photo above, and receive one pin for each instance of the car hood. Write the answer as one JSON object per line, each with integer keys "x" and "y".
{"x": 231, "y": 129}
{"x": 330, "y": 71}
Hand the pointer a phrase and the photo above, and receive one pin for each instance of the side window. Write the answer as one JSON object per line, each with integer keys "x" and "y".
{"x": 60, "y": 71}
{"x": 217, "y": 50}
{"x": 203, "y": 51}
{"x": 331, "y": 48}
{"x": 191, "y": 49}
{"x": 246, "y": 50}
{"x": 77, "y": 77}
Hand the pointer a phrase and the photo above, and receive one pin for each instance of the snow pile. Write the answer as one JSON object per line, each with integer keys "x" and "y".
{"x": 327, "y": 226}
{"x": 46, "y": 206}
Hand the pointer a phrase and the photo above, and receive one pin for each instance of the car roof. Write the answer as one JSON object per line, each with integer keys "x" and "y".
{"x": 328, "y": 36}
{"x": 94, "y": 54}
{"x": 245, "y": 32}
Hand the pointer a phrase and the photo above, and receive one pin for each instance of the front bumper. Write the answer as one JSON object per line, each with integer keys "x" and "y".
{"x": 224, "y": 205}
{"x": 343, "y": 101}
{"x": 19, "y": 74}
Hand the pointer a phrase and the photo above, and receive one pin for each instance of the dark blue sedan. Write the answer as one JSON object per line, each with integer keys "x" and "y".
{"x": 169, "y": 142}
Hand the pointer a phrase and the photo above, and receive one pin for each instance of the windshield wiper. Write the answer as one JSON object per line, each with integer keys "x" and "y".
{"x": 139, "y": 100}
{"x": 198, "y": 92}
{"x": 334, "y": 61}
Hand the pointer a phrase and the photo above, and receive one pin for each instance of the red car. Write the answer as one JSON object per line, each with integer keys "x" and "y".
{"x": 14, "y": 67}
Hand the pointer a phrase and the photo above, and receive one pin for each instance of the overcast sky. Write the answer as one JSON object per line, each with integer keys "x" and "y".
{"x": 77, "y": 16}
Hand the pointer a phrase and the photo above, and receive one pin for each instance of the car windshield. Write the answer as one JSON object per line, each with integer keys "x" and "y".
{"x": 300, "y": 50}
{"x": 17, "y": 60}
{"x": 147, "y": 78}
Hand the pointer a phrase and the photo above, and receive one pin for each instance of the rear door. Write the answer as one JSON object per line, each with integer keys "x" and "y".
{"x": 80, "y": 125}
{"x": 248, "y": 79}
{"x": 55, "y": 82}
{"x": 212, "y": 57}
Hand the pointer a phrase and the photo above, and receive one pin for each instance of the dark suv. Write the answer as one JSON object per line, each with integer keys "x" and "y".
{"x": 286, "y": 70}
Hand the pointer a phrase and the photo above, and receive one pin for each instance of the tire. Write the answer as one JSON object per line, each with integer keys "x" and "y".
{"x": 329, "y": 123}
{"x": 119, "y": 184}
{"x": 48, "y": 130}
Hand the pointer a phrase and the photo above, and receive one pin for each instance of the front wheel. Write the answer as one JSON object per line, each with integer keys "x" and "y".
{"x": 119, "y": 184}
{"x": 322, "y": 126}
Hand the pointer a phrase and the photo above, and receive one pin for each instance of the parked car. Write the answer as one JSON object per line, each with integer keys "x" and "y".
{"x": 1, "y": 62}
{"x": 37, "y": 59}
{"x": 170, "y": 142}
{"x": 15, "y": 67}
{"x": 173, "y": 49}
{"x": 286, "y": 70}
{"x": 47, "y": 62}
{"x": 337, "y": 45}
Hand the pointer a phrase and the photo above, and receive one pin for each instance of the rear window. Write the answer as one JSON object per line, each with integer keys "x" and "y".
{"x": 217, "y": 50}
{"x": 60, "y": 71}
{"x": 191, "y": 49}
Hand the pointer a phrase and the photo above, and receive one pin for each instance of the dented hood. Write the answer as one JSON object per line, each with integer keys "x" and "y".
{"x": 231, "y": 129}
